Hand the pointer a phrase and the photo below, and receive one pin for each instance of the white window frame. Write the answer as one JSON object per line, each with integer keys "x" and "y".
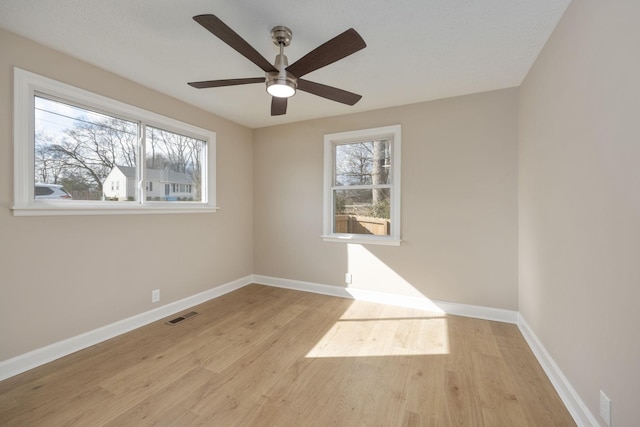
{"x": 27, "y": 85}
{"x": 330, "y": 141}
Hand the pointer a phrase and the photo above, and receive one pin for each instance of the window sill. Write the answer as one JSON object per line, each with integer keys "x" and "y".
{"x": 350, "y": 238}
{"x": 51, "y": 209}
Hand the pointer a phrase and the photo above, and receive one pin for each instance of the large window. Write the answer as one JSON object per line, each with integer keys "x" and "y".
{"x": 91, "y": 154}
{"x": 362, "y": 186}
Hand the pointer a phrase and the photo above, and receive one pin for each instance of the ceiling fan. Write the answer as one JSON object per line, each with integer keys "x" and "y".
{"x": 282, "y": 79}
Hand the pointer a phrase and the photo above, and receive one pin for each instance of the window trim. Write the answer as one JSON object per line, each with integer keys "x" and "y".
{"x": 394, "y": 133}
{"x": 27, "y": 85}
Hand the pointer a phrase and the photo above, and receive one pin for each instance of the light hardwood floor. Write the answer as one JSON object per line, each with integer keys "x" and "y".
{"x": 263, "y": 356}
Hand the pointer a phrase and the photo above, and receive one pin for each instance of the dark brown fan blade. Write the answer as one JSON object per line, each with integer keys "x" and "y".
{"x": 227, "y": 82}
{"x": 335, "y": 49}
{"x": 230, "y": 37}
{"x": 278, "y": 106}
{"x": 329, "y": 92}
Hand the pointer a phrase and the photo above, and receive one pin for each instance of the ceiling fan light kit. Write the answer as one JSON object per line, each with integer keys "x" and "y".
{"x": 281, "y": 87}
{"x": 283, "y": 80}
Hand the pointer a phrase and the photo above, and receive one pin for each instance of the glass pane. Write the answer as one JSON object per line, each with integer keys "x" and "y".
{"x": 83, "y": 155}
{"x": 173, "y": 166}
{"x": 363, "y": 163}
{"x": 362, "y": 211}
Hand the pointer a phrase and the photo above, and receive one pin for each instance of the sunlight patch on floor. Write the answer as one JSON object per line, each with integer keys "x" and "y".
{"x": 402, "y": 336}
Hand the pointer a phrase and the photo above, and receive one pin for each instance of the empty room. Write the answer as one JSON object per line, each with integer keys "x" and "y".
{"x": 336, "y": 213}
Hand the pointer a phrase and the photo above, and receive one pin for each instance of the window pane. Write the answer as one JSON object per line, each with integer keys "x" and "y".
{"x": 80, "y": 152}
{"x": 363, "y": 163}
{"x": 173, "y": 166}
{"x": 362, "y": 211}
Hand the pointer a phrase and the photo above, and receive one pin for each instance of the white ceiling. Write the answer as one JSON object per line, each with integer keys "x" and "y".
{"x": 417, "y": 50}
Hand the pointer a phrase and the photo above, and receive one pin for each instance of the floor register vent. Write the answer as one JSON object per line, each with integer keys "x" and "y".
{"x": 181, "y": 318}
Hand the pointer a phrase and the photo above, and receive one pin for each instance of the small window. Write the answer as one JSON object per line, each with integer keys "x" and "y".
{"x": 94, "y": 145}
{"x": 362, "y": 186}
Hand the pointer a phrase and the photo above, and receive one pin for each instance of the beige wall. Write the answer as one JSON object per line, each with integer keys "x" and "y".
{"x": 459, "y": 203}
{"x": 62, "y": 276}
{"x": 580, "y": 202}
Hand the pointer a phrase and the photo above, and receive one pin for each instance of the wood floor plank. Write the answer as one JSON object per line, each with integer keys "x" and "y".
{"x": 264, "y": 356}
{"x": 544, "y": 406}
{"x": 462, "y": 400}
{"x": 497, "y": 392}
{"x": 7, "y": 402}
{"x": 167, "y": 403}
{"x": 426, "y": 392}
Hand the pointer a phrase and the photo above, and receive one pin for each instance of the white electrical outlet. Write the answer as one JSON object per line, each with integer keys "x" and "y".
{"x": 347, "y": 278}
{"x": 155, "y": 295}
{"x": 605, "y": 408}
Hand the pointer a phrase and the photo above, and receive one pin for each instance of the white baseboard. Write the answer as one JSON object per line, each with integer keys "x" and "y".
{"x": 32, "y": 359}
{"x": 423, "y": 303}
{"x": 575, "y": 405}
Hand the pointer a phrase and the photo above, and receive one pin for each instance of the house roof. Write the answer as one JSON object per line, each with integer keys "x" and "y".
{"x": 158, "y": 175}
{"x": 128, "y": 171}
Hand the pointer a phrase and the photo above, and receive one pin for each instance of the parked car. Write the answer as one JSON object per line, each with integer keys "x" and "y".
{"x": 51, "y": 191}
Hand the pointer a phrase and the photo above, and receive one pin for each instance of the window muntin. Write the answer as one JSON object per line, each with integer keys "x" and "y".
{"x": 362, "y": 186}
{"x": 92, "y": 146}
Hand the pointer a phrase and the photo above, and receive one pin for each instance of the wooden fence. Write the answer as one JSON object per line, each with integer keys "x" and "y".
{"x": 353, "y": 224}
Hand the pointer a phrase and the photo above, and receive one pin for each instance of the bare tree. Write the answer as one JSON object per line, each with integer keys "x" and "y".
{"x": 90, "y": 150}
{"x": 78, "y": 146}
{"x": 49, "y": 164}
{"x": 179, "y": 152}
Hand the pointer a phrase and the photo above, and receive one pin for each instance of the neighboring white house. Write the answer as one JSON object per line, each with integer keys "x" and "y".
{"x": 160, "y": 184}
